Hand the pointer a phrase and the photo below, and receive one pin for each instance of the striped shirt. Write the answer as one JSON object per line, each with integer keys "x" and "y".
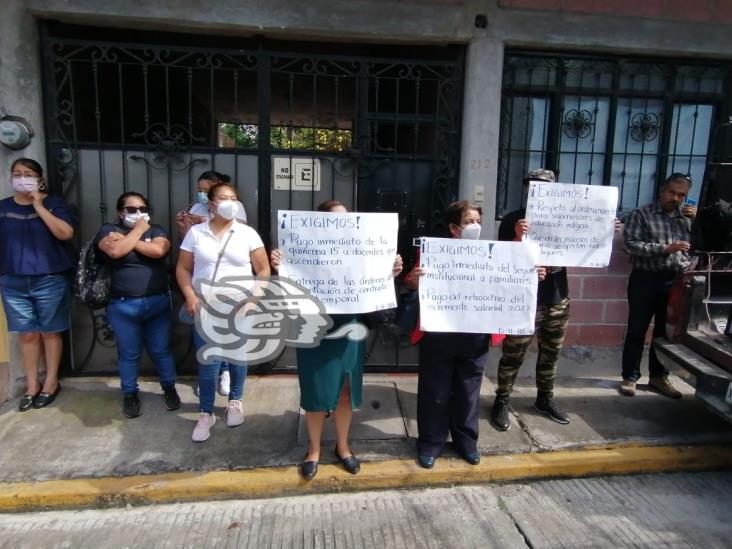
{"x": 648, "y": 230}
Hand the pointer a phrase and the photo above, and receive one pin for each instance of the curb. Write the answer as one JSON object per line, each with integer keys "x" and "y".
{"x": 394, "y": 474}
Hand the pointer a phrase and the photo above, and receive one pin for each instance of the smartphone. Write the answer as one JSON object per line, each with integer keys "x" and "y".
{"x": 691, "y": 202}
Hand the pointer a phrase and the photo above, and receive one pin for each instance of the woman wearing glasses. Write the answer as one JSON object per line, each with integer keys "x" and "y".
{"x": 34, "y": 266}
{"x": 139, "y": 307}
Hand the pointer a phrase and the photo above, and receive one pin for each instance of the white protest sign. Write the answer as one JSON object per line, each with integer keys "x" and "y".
{"x": 478, "y": 286}
{"x": 344, "y": 259}
{"x": 573, "y": 224}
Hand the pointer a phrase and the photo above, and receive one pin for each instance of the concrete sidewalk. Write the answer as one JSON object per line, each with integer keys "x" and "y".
{"x": 84, "y": 435}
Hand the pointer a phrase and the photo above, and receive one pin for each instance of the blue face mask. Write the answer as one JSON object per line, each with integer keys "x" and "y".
{"x": 202, "y": 197}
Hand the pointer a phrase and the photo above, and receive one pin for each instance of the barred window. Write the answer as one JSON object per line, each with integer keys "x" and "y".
{"x": 606, "y": 121}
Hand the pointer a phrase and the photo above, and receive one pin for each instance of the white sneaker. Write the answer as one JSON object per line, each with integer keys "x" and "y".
{"x": 202, "y": 430}
{"x": 234, "y": 413}
{"x": 224, "y": 383}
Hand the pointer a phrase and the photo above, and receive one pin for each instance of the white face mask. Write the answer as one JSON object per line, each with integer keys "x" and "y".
{"x": 470, "y": 232}
{"x": 227, "y": 209}
{"x": 129, "y": 220}
{"x": 24, "y": 184}
{"x": 202, "y": 197}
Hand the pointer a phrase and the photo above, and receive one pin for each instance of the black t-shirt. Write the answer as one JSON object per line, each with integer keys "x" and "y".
{"x": 554, "y": 288}
{"x": 135, "y": 275}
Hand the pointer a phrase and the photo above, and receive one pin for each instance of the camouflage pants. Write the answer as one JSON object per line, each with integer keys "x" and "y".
{"x": 551, "y": 325}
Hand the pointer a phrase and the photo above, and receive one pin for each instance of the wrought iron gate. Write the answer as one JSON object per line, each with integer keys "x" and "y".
{"x": 607, "y": 120}
{"x": 380, "y": 131}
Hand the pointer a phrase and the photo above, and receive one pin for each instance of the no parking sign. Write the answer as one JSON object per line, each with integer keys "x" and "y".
{"x": 296, "y": 173}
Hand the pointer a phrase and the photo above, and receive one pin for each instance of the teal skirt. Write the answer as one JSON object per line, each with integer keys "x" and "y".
{"x": 323, "y": 370}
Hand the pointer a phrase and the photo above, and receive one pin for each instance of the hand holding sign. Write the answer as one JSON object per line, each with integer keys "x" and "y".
{"x": 521, "y": 229}
{"x": 477, "y": 286}
{"x": 346, "y": 260}
{"x": 573, "y": 224}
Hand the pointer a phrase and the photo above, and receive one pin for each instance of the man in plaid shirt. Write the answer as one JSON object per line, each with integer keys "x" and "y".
{"x": 657, "y": 238}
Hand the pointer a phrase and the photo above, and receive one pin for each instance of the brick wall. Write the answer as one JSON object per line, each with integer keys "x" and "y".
{"x": 717, "y": 11}
{"x": 599, "y": 306}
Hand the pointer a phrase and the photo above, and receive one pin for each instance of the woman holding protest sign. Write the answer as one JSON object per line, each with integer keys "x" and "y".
{"x": 331, "y": 377}
{"x": 450, "y": 368}
{"x": 220, "y": 248}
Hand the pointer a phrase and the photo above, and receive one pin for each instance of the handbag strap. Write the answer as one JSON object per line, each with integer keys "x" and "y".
{"x": 221, "y": 254}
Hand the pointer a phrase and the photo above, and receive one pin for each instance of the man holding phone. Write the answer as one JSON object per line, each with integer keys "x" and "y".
{"x": 657, "y": 237}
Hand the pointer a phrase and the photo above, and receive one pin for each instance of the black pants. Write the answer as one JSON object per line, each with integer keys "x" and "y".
{"x": 647, "y": 297}
{"x": 448, "y": 395}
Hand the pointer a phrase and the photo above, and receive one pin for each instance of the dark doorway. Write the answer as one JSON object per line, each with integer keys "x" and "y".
{"x": 376, "y": 127}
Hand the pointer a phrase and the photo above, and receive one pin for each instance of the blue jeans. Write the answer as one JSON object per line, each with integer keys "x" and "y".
{"x": 142, "y": 322}
{"x": 36, "y": 303}
{"x": 208, "y": 375}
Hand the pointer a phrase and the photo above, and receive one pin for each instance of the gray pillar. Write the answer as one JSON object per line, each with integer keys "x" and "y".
{"x": 20, "y": 95}
{"x": 20, "y": 82}
{"x": 481, "y": 125}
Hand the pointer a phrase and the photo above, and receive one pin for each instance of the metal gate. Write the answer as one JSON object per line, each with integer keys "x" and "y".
{"x": 377, "y": 132}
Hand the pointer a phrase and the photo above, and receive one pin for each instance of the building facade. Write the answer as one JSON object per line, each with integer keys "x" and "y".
{"x": 386, "y": 105}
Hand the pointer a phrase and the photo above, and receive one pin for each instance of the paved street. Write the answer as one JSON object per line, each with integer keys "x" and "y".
{"x": 675, "y": 510}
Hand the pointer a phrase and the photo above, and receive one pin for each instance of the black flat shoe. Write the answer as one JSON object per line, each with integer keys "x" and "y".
{"x": 45, "y": 399}
{"x": 428, "y": 462}
{"x": 309, "y": 469}
{"x": 351, "y": 463}
{"x": 471, "y": 457}
{"x": 26, "y": 402}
